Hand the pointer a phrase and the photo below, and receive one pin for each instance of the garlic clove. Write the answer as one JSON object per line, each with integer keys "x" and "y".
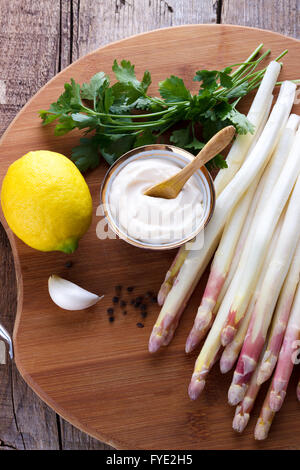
{"x": 70, "y": 296}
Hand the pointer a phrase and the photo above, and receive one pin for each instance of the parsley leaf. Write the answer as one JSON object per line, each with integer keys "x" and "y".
{"x": 94, "y": 89}
{"x": 173, "y": 90}
{"x": 116, "y": 145}
{"x": 86, "y": 154}
{"x": 181, "y": 137}
{"x": 208, "y": 79}
{"x": 217, "y": 162}
{"x": 195, "y": 144}
{"x": 225, "y": 80}
{"x": 145, "y": 138}
{"x": 125, "y": 74}
{"x": 240, "y": 121}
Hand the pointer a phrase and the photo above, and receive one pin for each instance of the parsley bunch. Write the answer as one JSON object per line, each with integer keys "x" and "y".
{"x": 116, "y": 118}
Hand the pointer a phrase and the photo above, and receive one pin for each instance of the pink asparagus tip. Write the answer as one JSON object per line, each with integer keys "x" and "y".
{"x": 276, "y": 400}
{"x": 227, "y": 361}
{"x": 195, "y": 388}
{"x": 192, "y": 340}
{"x": 155, "y": 342}
{"x": 298, "y": 391}
{"x": 265, "y": 371}
{"x": 190, "y": 344}
{"x": 200, "y": 327}
{"x": 228, "y": 334}
{"x": 169, "y": 335}
{"x": 261, "y": 430}
{"x": 240, "y": 420}
{"x": 235, "y": 394}
{"x": 162, "y": 294}
{"x": 162, "y": 333}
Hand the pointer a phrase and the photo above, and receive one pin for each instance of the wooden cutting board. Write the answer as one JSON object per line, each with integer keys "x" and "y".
{"x": 99, "y": 375}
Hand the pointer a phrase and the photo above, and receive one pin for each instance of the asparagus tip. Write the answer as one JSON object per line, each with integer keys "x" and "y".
{"x": 265, "y": 372}
{"x": 189, "y": 345}
{"x": 156, "y": 339}
{"x": 226, "y": 362}
{"x": 162, "y": 294}
{"x": 155, "y": 342}
{"x": 193, "y": 339}
{"x": 261, "y": 430}
{"x": 195, "y": 388}
{"x": 240, "y": 420}
{"x": 228, "y": 334}
{"x": 276, "y": 400}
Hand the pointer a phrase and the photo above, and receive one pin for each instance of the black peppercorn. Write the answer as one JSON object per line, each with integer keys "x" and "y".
{"x": 118, "y": 289}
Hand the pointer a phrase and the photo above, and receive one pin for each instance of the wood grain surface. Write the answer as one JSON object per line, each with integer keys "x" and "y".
{"x": 99, "y": 375}
{"x": 62, "y": 31}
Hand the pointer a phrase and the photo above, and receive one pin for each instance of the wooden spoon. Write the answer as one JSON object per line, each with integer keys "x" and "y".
{"x": 171, "y": 187}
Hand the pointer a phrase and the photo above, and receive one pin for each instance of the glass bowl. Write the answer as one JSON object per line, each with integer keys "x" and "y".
{"x": 162, "y": 151}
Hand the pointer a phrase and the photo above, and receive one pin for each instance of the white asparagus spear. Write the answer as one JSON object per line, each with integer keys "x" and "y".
{"x": 232, "y": 350}
{"x": 229, "y": 241}
{"x": 280, "y": 319}
{"x": 260, "y": 109}
{"x": 263, "y": 192}
{"x": 212, "y": 344}
{"x": 278, "y": 386}
{"x": 255, "y": 254}
{"x": 289, "y": 354}
{"x": 197, "y": 260}
{"x": 269, "y": 292}
{"x": 182, "y": 252}
{"x": 240, "y": 247}
{"x": 265, "y": 420}
{"x": 255, "y": 115}
{"x": 219, "y": 269}
{"x": 243, "y": 410}
{"x": 265, "y": 188}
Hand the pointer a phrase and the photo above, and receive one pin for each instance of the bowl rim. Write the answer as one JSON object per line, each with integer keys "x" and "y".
{"x": 211, "y": 200}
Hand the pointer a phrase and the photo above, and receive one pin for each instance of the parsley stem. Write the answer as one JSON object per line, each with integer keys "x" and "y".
{"x": 134, "y": 116}
{"x": 133, "y": 126}
{"x": 294, "y": 81}
{"x": 252, "y": 56}
{"x": 245, "y": 75}
{"x": 283, "y": 53}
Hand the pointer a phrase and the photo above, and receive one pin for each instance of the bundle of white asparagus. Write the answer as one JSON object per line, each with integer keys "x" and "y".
{"x": 251, "y": 304}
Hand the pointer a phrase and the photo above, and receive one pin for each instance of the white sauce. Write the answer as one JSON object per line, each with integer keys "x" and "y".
{"x": 150, "y": 219}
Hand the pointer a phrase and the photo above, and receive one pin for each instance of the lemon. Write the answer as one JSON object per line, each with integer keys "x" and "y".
{"x": 46, "y": 201}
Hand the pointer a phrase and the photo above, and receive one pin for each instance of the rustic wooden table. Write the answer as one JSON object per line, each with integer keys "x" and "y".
{"x": 37, "y": 40}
